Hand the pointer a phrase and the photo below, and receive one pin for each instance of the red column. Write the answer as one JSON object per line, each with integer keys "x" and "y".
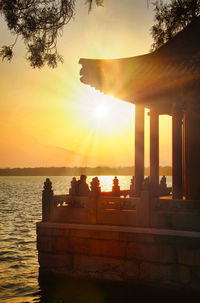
{"x": 185, "y": 157}
{"x": 139, "y": 148}
{"x": 154, "y": 152}
{"x": 177, "y": 153}
{"x": 192, "y": 152}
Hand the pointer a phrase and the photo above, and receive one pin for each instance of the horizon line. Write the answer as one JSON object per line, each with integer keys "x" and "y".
{"x": 92, "y": 167}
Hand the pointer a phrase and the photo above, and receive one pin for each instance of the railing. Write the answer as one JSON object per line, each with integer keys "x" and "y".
{"x": 94, "y": 210}
{"x": 175, "y": 214}
{"x": 112, "y": 208}
{"x": 117, "y": 211}
{"x": 121, "y": 209}
{"x": 70, "y": 209}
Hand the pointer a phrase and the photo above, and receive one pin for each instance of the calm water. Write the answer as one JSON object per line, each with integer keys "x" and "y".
{"x": 20, "y": 209}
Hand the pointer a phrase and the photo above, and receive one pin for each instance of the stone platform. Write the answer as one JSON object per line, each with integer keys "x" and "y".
{"x": 166, "y": 258}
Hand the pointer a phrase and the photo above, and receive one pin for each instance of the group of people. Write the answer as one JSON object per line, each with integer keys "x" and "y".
{"x": 79, "y": 187}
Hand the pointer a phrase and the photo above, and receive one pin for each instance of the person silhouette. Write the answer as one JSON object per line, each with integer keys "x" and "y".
{"x": 82, "y": 188}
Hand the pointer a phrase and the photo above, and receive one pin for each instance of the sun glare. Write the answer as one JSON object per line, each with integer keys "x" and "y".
{"x": 105, "y": 114}
{"x": 101, "y": 112}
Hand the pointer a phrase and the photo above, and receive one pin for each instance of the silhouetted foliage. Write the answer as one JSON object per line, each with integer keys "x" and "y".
{"x": 39, "y": 23}
{"x": 171, "y": 18}
{"x": 98, "y": 3}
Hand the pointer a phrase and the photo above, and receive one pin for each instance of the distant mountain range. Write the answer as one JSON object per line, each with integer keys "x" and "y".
{"x": 41, "y": 155}
{"x": 76, "y": 171}
{"x": 24, "y": 150}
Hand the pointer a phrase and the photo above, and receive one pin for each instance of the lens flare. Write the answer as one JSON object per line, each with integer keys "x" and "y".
{"x": 101, "y": 112}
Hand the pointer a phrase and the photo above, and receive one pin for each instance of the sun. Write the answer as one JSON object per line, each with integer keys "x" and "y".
{"x": 101, "y": 112}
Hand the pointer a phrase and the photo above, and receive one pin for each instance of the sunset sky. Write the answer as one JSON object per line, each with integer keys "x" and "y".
{"x": 49, "y": 118}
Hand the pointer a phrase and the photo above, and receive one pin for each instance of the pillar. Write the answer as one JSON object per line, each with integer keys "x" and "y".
{"x": 185, "y": 157}
{"x": 139, "y": 148}
{"x": 177, "y": 153}
{"x": 154, "y": 152}
{"x": 192, "y": 152}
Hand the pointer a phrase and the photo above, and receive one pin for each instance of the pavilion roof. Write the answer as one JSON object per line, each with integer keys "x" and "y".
{"x": 173, "y": 68}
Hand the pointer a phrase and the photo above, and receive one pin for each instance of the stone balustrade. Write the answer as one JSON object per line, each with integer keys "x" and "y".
{"x": 118, "y": 207}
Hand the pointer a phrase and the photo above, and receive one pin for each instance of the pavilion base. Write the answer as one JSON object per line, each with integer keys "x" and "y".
{"x": 157, "y": 257}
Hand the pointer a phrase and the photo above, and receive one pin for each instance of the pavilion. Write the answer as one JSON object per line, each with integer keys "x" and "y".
{"x": 166, "y": 81}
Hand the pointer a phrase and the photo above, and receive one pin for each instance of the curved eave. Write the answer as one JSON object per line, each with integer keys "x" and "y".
{"x": 174, "y": 67}
{"x": 118, "y": 77}
{"x": 142, "y": 78}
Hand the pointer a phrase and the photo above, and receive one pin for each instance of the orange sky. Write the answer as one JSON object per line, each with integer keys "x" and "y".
{"x": 49, "y": 118}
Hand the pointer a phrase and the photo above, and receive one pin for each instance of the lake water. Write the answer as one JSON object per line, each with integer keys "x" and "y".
{"x": 20, "y": 209}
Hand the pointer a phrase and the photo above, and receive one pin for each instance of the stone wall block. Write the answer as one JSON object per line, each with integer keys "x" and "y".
{"x": 108, "y": 235}
{"x": 195, "y": 278}
{"x": 164, "y": 240}
{"x": 157, "y": 272}
{"x": 93, "y": 234}
{"x": 85, "y": 263}
{"x": 136, "y": 237}
{"x": 189, "y": 256}
{"x": 55, "y": 260}
{"x": 149, "y": 252}
{"x": 100, "y": 265}
{"x": 61, "y": 244}
{"x": 112, "y": 264}
{"x": 43, "y": 231}
{"x": 60, "y": 232}
{"x": 184, "y": 274}
{"x": 109, "y": 248}
{"x": 130, "y": 270}
{"x": 79, "y": 245}
{"x": 44, "y": 243}
{"x": 82, "y": 233}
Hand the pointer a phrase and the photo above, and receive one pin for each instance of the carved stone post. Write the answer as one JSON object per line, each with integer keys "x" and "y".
{"x": 93, "y": 199}
{"x": 95, "y": 187}
{"x": 47, "y": 195}
{"x": 116, "y": 188}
